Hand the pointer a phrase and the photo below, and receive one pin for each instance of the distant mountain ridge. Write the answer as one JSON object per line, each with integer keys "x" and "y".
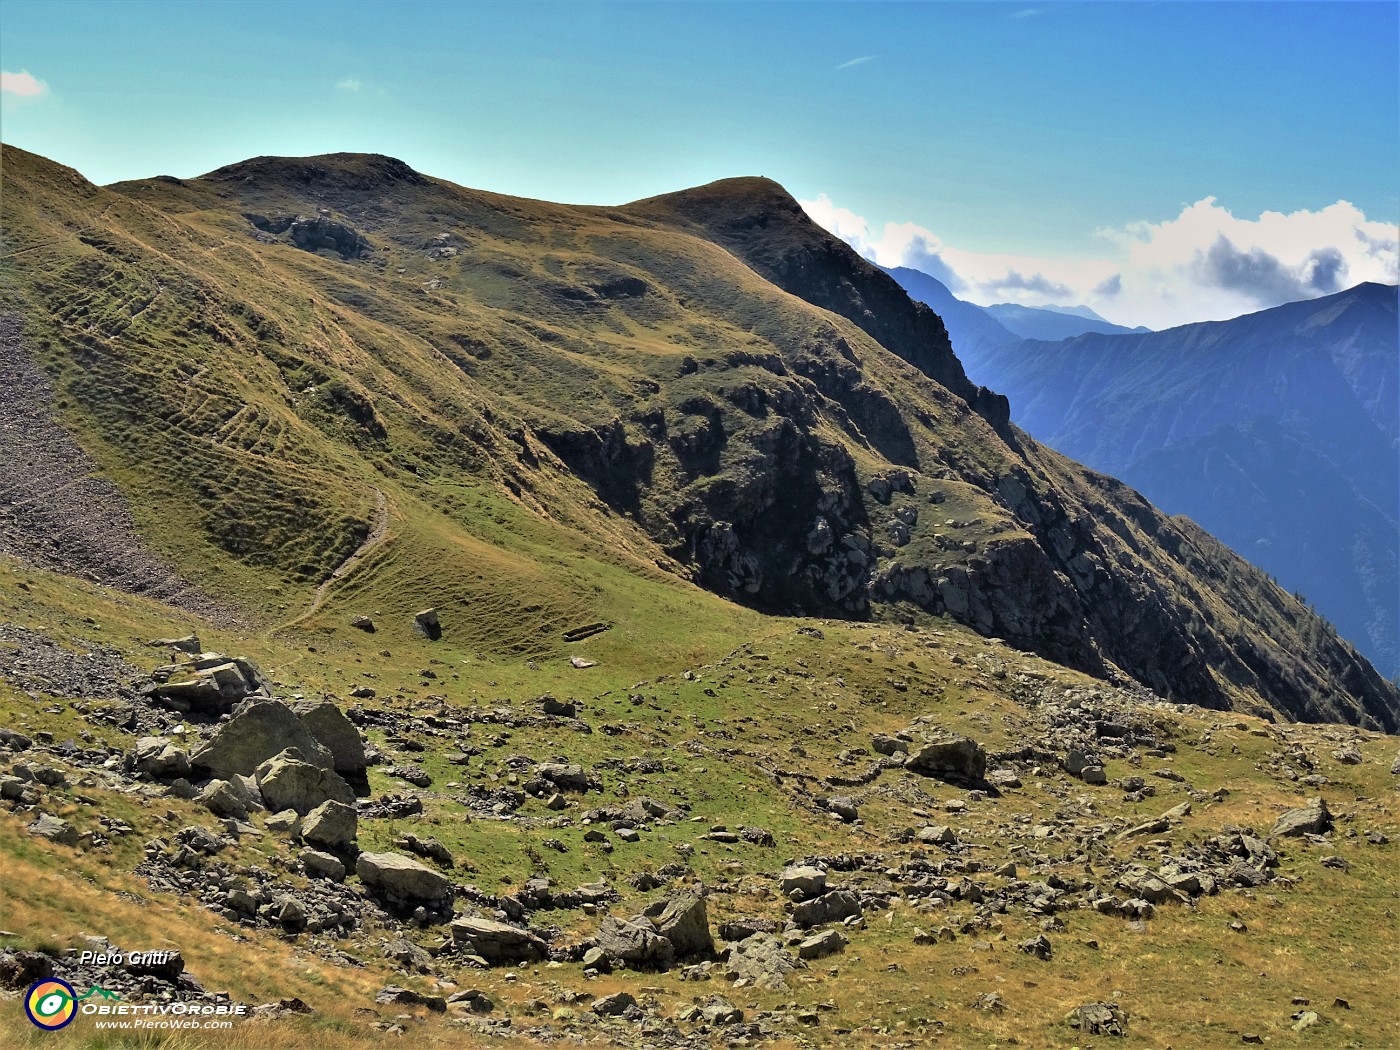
{"x": 1277, "y": 431}
{"x": 973, "y": 328}
{"x": 1055, "y": 322}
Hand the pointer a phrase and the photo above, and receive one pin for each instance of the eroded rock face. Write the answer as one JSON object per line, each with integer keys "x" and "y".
{"x": 321, "y": 234}
{"x": 311, "y": 233}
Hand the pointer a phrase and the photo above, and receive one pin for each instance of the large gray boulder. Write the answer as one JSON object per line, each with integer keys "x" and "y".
{"x": 566, "y": 776}
{"x": 402, "y": 879}
{"x": 683, "y": 921}
{"x": 499, "y": 943}
{"x": 288, "y": 782}
{"x": 331, "y": 825}
{"x": 322, "y": 865}
{"x": 55, "y": 829}
{"x": 337, "y": 734}
{"x": 958, "y": 759}
{"x": 803, "y": 879}
{"x": 763, "y": 962}
{"x": 635, "y": 944}
{"x": 1312, "y": 819}
{"x": 829, "y": 907}
{"x": 227, "y": 798}
{"x": 256, "y": 733}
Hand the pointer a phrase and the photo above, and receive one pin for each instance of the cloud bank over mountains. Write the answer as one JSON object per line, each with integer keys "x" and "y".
{"x": 1204, "y": 264}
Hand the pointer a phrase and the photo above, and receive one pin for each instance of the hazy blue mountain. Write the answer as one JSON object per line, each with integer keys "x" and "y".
{"x": 974, "y": 328}
{"x": 1054, "y": 322}
{"x": 971, "y": 329}
{"x": 1277, "y": 431}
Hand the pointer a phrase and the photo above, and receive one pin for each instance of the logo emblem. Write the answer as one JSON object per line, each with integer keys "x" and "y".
{"x": 51, "y": 1004}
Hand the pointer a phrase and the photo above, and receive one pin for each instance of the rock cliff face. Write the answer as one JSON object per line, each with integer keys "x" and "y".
{"x": 706, "y": 381}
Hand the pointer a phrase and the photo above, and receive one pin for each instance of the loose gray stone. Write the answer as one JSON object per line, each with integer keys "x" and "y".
{"x": 331, "y": 825}
{"x": 499, "y": 943}
{"x": 958, "y": 759}
{"x": 1312, "y": 819}
{"x": 402, "y": 877}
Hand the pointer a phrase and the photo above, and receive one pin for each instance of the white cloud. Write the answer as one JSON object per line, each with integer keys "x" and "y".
{"x": 1204, "y": 264}
{"x": 349, "y": 84}
{"x": 855, "y": 62}
{"x": 22, "y": 84}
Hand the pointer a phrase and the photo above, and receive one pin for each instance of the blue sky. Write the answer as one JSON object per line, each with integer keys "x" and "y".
{"x": 1002, "y": 131}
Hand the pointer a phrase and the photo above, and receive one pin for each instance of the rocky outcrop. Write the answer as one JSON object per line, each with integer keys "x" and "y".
{"x": 312, "y": 233}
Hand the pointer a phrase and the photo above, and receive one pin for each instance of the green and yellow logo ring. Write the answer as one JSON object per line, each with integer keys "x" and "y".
{"x": 51, "y": 1004}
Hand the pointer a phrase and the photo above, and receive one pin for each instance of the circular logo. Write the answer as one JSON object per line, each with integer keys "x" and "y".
{"x": 51, "y": 1004}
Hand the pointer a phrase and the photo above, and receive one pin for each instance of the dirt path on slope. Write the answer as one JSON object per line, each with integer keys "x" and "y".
{"x": 374, "y": 539}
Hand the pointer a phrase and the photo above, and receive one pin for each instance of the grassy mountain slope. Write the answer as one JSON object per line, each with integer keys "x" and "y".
{"x": 565, "y": 409}
{"x": 751, "y": 727}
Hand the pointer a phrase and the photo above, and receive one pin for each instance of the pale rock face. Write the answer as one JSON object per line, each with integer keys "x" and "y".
{"x": 287, "y": 782}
